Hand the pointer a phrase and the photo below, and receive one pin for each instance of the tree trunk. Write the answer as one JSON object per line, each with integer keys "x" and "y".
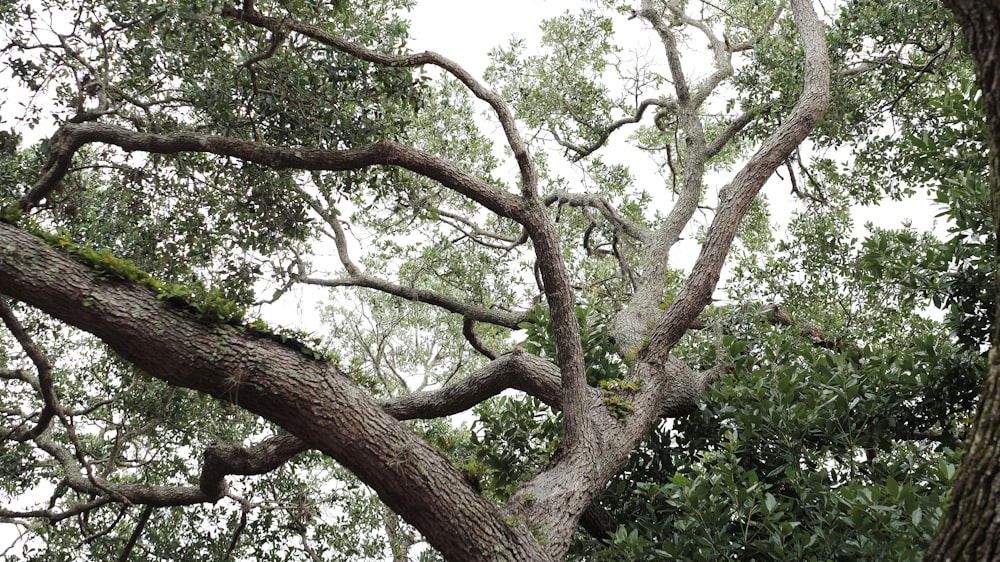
{"x": 311, "y": 399}
{"x": 971, "y": 528}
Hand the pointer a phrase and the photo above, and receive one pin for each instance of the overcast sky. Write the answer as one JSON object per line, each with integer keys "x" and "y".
{"x": 465, "y": 32}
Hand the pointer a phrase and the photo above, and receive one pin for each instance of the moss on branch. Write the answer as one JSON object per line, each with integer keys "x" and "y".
{"x": 208, "y": 304}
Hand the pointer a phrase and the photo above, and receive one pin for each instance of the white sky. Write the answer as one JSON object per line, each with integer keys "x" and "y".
{"x": 454, "y": 29}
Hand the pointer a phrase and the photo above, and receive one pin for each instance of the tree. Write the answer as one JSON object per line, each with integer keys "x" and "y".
{"x": 971, "y": 530}
{"x": 203, "y": 152}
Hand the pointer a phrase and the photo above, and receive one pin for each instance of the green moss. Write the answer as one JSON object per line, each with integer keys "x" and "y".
{"x": 207, "y": 304}
{"x": 614, "y": 395}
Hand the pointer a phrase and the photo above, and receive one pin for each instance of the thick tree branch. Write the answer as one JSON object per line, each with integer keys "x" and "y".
{"x": 311, "y": 399}
{"x": 643, "y": 308}
{"x": 579, "y": 433}
{"x": 735, "y": 199}
{"x": 669, "y": 385}
{"x": 529, "y": 178}
{"x": 71, "y": 136}
{"x": 970, "y": 529}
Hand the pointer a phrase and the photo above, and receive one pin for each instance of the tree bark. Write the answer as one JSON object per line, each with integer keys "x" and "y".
{"x": 970, "y": 529}
{"x": 312, "y": 400}
{"x": 317, "y": 403}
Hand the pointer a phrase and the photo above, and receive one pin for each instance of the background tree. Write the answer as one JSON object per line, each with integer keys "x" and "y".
{"x": 210, "y": 162}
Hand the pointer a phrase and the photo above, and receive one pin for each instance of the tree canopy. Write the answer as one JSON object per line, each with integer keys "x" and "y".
{"x": 276, "y": 287}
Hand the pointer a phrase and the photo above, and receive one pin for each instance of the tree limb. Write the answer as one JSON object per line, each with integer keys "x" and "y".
{"x": 601, "y": 204}
{"x": 45, "y": 387}
{"x": 469, "y": 331}
{"x": 585, "y": 151}
{"x": 473, "y": 312}
{"x": 735, "y": 199}
{"x": 522, "y": 371}
{"x": 313, "y": 400}
{"x": 529, "y": 178}
{"x": 136, "y": 533}
{"x": 357, "y": 278}
{"x": 733, "y": 128}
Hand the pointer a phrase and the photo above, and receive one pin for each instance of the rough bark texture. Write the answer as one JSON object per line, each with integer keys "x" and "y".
{"x": 318, "y": 404}
{"x": 312, "y": 400}
{"x": 971, "y": 528}
{"x": 553, "y": 500}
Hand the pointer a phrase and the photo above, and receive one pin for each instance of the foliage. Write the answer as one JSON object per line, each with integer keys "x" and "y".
{"x": 853, "y": 357}
{"x": 512, "y": 438}
{"x": 601, "y": 358}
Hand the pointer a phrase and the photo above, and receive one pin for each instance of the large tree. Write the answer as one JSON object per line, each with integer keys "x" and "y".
{"x": 208, "y": 162}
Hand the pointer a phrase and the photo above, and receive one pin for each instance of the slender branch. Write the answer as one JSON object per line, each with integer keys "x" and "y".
{"x": 45, "y": 386}
{"x": 56, "y": 516}
{"x": 477, "y": 313}
{"x": 733, "y": 128}
{"x": 71, "y": 136}
{"x": 278, "y": 37}
{"x": 648, "y": 12}
{"x": 468, "y": 330}
{"x": 518, "y": 370}
{"x": 760, "y": 33}
{"x": 474, "y": 232}
{"x": 529, "y": 177}
{"x": 240, "y": 527}
{"x": 358, "y": 278}
{"x": 136, "y": 533}
{"x": 583, "y": 151}
{"x": 720, "y": 52}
